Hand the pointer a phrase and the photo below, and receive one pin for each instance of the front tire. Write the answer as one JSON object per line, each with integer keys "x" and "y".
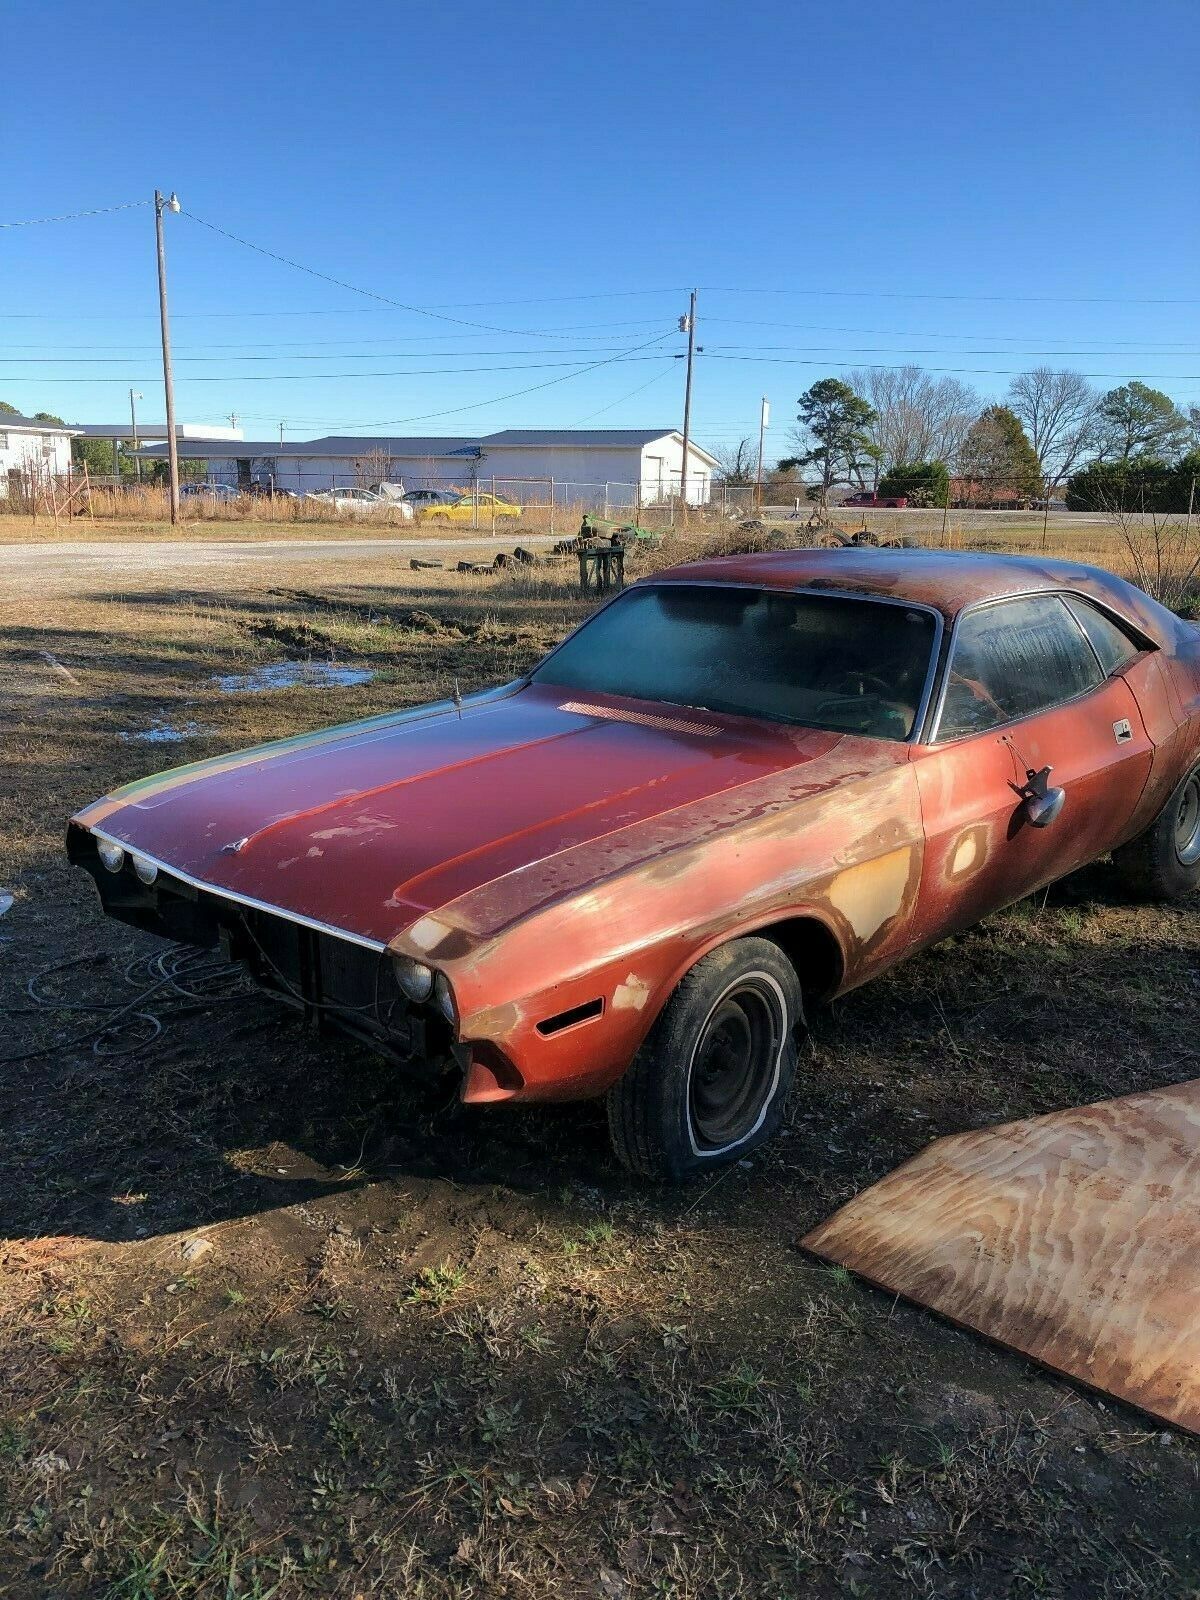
{"x": 711, "y": 1080}
{"x": 1163, "y": 863}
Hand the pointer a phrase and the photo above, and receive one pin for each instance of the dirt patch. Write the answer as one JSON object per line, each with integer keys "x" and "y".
{"x": 274, "y": 1322}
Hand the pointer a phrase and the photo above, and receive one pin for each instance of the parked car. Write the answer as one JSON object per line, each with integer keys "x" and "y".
{"x": 470, "y": 508}
{"x": 419, "y": 499}
{"x": 361, "y": 502}
{"x": 270, "y": 491}
{"x": 743, "y": 786}
{"x": 890, "y": 502}
{"x": 209, "y": 491}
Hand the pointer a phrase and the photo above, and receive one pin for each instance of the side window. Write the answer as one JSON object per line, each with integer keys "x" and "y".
{"x": 1110, "y": 642}
{"x": 1011, "y": 660}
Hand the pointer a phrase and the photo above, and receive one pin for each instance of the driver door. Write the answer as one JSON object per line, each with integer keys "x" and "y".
{"x": 1025, "y": 689}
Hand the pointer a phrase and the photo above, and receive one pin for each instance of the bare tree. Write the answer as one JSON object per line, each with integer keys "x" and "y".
{"x": 375, "y": 467}
{"x": 1059, "y": 411}
{"x": 737, "y": 464}
{"x": 917, "y": 417}
{"x": 1164, "y": 551}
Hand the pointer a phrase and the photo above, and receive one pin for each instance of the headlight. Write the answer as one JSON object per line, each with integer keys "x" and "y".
{"x": 443, "y": 998}
{"x": 111, "y": 854}
{"x": 145, "y": 871}
{"x": 414, "y": 979}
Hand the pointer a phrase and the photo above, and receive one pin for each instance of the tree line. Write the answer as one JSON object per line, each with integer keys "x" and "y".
{"x": 901, "y": 431}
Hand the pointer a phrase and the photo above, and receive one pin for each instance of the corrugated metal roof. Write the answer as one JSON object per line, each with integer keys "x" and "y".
{"x": 437, "y": 447}
{"x": 585, "y": 437}
{"x": 338, "y": 446}
{"x": 9, "y": 420}
{"x": 342, "y": 444}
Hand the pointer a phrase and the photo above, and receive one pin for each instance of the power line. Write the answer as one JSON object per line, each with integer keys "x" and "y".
{"x": 355, "y": 288}
{"x": 892, "y": 350}
{"x": 1013, "y": 299}
{"x": 475, "y": 405}
{"x": 580, "y": 331}
{"x": 979, "y": 372}
{"x": 909, "y": 333}
{"x": 359, "y": 355}
{"x": 657, "y": 378}
{"x": 408, "y": 372}
{"x": 71, "y": 216}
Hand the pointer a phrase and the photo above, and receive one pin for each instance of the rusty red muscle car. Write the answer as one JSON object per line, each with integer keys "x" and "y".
{"x": 743, "y": 785}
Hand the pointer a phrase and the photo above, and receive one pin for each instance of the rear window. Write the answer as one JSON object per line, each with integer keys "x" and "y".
{"x": 1110, "y": 642}
{"x": 852, "y": 666}
{"x": 1011, "y": 660}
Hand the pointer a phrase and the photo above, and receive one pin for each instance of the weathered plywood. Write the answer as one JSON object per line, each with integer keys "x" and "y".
{"x": 1074, "y": 1238}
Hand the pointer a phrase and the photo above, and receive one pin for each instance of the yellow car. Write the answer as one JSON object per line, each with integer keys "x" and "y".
{"x": 462, "y": 509}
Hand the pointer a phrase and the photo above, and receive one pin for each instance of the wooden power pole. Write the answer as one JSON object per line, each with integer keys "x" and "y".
{"x": 161, "y": 204}
{"x": 687, "y": 325}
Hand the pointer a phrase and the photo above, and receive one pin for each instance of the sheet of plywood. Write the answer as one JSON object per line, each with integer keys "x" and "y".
{"x": 1074, "y": 1238}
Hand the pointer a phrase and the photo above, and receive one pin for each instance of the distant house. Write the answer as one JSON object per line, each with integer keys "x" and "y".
{"x": 617, "y": 466}
{"x": 31, "y": 448}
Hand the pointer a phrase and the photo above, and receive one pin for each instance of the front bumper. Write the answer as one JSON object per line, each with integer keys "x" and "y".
{"x": 338, "y": 980}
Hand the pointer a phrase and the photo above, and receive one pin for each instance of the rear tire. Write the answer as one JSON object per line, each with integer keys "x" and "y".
{"x": 1163, "y": 863}
{"x": 711, "y": 1080}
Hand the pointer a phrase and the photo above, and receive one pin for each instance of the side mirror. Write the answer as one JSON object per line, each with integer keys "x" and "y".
{"x": 1042, "y": 804}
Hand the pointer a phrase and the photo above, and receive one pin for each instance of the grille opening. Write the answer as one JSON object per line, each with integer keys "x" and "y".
{"x": 567, "y": 1019}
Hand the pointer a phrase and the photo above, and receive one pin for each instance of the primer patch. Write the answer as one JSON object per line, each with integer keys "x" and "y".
{"x": 969, "y": 852}
{"x": 632, "y": 994}
{"x": 869, "y": 894}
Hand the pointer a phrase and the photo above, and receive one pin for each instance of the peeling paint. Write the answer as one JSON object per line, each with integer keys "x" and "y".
{"x": 632, "y": 994}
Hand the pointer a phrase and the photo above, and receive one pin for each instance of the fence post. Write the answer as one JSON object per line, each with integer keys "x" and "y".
{"x": 552, "y": 508}
{"x": 606, "y": 499}
{"x": 493, "y": 505}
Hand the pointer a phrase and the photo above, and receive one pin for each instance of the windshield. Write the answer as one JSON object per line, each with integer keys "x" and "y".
{"x": 850, "y": 666}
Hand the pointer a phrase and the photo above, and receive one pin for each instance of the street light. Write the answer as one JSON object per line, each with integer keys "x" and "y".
{"x": 135, "y": 394}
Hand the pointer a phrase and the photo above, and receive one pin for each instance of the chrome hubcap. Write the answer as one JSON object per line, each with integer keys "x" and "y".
{"x": 1187, "y": 823}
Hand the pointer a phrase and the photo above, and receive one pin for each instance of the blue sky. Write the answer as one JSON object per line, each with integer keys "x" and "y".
{"x": 976, "y": 189}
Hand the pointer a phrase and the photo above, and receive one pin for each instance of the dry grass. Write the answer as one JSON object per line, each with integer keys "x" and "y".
{"x": 465, "y": 1357}
{"x": 143, "y": 514}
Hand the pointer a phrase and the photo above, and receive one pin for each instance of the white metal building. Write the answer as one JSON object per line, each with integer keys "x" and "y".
{"x": 26, "y": 445}
{"x": 617, "y": 466}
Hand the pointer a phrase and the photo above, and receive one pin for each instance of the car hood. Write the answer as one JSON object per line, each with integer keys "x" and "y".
{"x": 368, "y": 827}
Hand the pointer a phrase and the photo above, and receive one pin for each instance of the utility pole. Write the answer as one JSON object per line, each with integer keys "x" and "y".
{"x": 687, "y": 325}
{"x": 281, "y": 433}
{"x": 135, "y": 394}
{"x": 764, "y": 417}
{"x": 162, "y": 204}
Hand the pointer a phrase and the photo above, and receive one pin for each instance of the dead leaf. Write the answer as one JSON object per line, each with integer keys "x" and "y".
{"x": 612, "y": 1584}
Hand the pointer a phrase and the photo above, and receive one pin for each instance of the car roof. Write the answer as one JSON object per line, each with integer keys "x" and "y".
{"x": 947, "y": 580}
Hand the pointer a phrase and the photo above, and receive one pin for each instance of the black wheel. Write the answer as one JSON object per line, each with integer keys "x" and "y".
{"x": 1164, "y": 862}
{"x": 711, "y": 1080}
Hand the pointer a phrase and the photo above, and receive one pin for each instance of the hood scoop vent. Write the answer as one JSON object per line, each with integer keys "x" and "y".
{"x": 645, "y": 719}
